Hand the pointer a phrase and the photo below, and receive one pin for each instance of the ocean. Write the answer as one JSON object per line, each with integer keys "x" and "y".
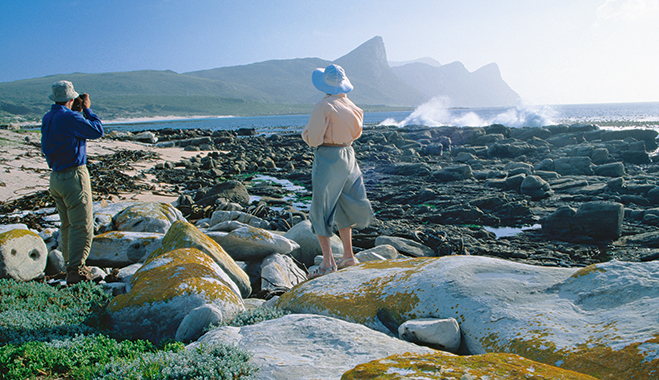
{"x": 614, "y": 115}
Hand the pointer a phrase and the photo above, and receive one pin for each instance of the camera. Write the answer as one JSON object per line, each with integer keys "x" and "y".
{"x": 77, "y": 104}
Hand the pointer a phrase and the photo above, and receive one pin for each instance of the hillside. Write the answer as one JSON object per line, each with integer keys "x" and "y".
{"x": 263, "y": 88}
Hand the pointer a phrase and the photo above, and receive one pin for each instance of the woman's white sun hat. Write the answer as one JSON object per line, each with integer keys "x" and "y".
{"x": 63, "y": 91}
{"x": 331, "y": 80}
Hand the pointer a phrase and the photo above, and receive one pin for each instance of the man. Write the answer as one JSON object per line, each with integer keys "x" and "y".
{"x": 64, "y": 135}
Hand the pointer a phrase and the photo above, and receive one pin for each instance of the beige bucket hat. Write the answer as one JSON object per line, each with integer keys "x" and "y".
{"x": 63, "y": 91}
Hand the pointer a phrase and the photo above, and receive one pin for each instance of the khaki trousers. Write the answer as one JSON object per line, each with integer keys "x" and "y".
{"x": 72, "y": 191}
{"x": 339, "y": 196}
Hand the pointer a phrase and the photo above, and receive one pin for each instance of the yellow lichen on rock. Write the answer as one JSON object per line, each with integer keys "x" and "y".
{"x": 176, "y": 273}
{"x": 442, "y": 366}
{"x": 362, "y": 304}
{"x": 185, "y": 235}
{"x": 14, "y": 234}
{"x": 587, "y": 270}
{"x": 600, "y": 361}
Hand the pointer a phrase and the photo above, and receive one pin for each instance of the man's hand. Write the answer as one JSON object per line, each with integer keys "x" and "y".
{"x": 86, "y": 103}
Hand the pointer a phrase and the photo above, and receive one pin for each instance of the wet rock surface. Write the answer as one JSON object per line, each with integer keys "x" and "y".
{"x": 447, "y": 188}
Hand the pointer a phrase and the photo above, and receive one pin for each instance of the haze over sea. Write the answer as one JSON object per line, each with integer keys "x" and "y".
{"x": 433, "y": 113}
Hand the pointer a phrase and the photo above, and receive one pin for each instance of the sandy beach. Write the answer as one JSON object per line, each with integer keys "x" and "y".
{"x": 24, "y": 170}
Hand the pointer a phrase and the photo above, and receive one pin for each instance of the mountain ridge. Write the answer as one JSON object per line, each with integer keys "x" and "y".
{"x": 264, "y": 88}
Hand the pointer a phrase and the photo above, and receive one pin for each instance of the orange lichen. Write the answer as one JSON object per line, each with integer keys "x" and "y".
{"x": 592, "y": 358}
{"x": 438, "y": 366}
{"x": 587, "y": 270}
{"x": 361, "y": 306}
{"x": 16, "y": 233}
{"x": 184, "y": 235}
{"x": 179, "y": 272}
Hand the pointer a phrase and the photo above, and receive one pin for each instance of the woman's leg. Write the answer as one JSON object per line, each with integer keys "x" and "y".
{"x": 326, "y": 247}
{"x": 346, "y": 239}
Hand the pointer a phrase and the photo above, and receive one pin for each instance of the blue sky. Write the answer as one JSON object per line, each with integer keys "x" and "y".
{"x": 550, "y": 52}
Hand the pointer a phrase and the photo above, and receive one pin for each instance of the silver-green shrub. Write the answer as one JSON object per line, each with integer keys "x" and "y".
{"x": 216, "y": 361}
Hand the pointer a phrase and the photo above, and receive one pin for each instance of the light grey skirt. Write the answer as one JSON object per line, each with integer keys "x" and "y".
{"x": 339, "y": 196}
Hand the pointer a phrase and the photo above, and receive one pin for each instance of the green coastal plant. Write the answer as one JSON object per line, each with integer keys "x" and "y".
{"x": 32, "y": 311}
{"x": 51, "y": 332}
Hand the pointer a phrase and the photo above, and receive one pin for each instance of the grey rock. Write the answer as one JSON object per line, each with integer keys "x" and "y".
{"x": 303, "y": 235}
{"x": 238, "y": 216}
{"x": 599, "y": 220}
{"x": 613, "y": 169}
{"x": 121, "y": 248}
{"x": 288, "y": 347}
{"x": 56, "y": 263}
{"x": 535, "y": 187}
{"x": 442, "y": 334}
{"x": 405, "y": 246}
{"x": 279, "y": 272}
{"x": 453, "y": 173}
{"x": 573, "y": 166}
{"x": 192, "y": 326}
{"x": 250, "y": 243}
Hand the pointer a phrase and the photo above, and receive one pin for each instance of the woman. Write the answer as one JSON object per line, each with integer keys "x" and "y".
{"x": 339, "y": 197}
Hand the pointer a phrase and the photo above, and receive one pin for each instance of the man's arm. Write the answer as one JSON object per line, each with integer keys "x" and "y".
{"x": 89, "y": 126}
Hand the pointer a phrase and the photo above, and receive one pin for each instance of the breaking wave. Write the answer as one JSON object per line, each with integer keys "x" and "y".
{"x": 435, "y": 113}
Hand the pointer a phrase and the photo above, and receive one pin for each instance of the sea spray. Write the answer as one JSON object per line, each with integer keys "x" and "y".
{"x": 435, "y": 113}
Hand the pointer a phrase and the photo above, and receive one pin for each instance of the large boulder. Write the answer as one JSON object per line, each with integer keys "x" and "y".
{"x": 23, "y": 254}
{"x": 599, "y": 220}
{"x": 117, "y": 249}
{"x": 185, "y": 235}
{"x": 166, "y": 289}
{"x": 251, "y": 243}
{"x": 147, "y": 217}
{"x": 104, "y": 212}
{"x": 599, "y": 320}
{"x": 302, "y": 346}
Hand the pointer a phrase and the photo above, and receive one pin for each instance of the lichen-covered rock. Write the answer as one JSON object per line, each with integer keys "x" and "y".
{"x": 23, "y": 254}
{"x": 104, "y": 212}
{"x": 184, "y": 235}
{"x": 117, "y": 249}
{"x": 251, "y": 243}
{"x": 166, "y": 289}
{"x": 599, "y": 320}
{"x": 496, "y": 366}
{"x": 147, "y": 217}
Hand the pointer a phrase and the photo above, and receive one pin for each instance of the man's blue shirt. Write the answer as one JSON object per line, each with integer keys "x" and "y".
{"x": 64, "y": 135}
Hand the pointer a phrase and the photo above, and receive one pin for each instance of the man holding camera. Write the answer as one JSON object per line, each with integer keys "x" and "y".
{"x": 64, "y": 135}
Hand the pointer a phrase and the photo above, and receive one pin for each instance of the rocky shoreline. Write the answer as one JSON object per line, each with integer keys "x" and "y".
{"x": 449, "y": 188}
{"x": 442, "y": 186}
